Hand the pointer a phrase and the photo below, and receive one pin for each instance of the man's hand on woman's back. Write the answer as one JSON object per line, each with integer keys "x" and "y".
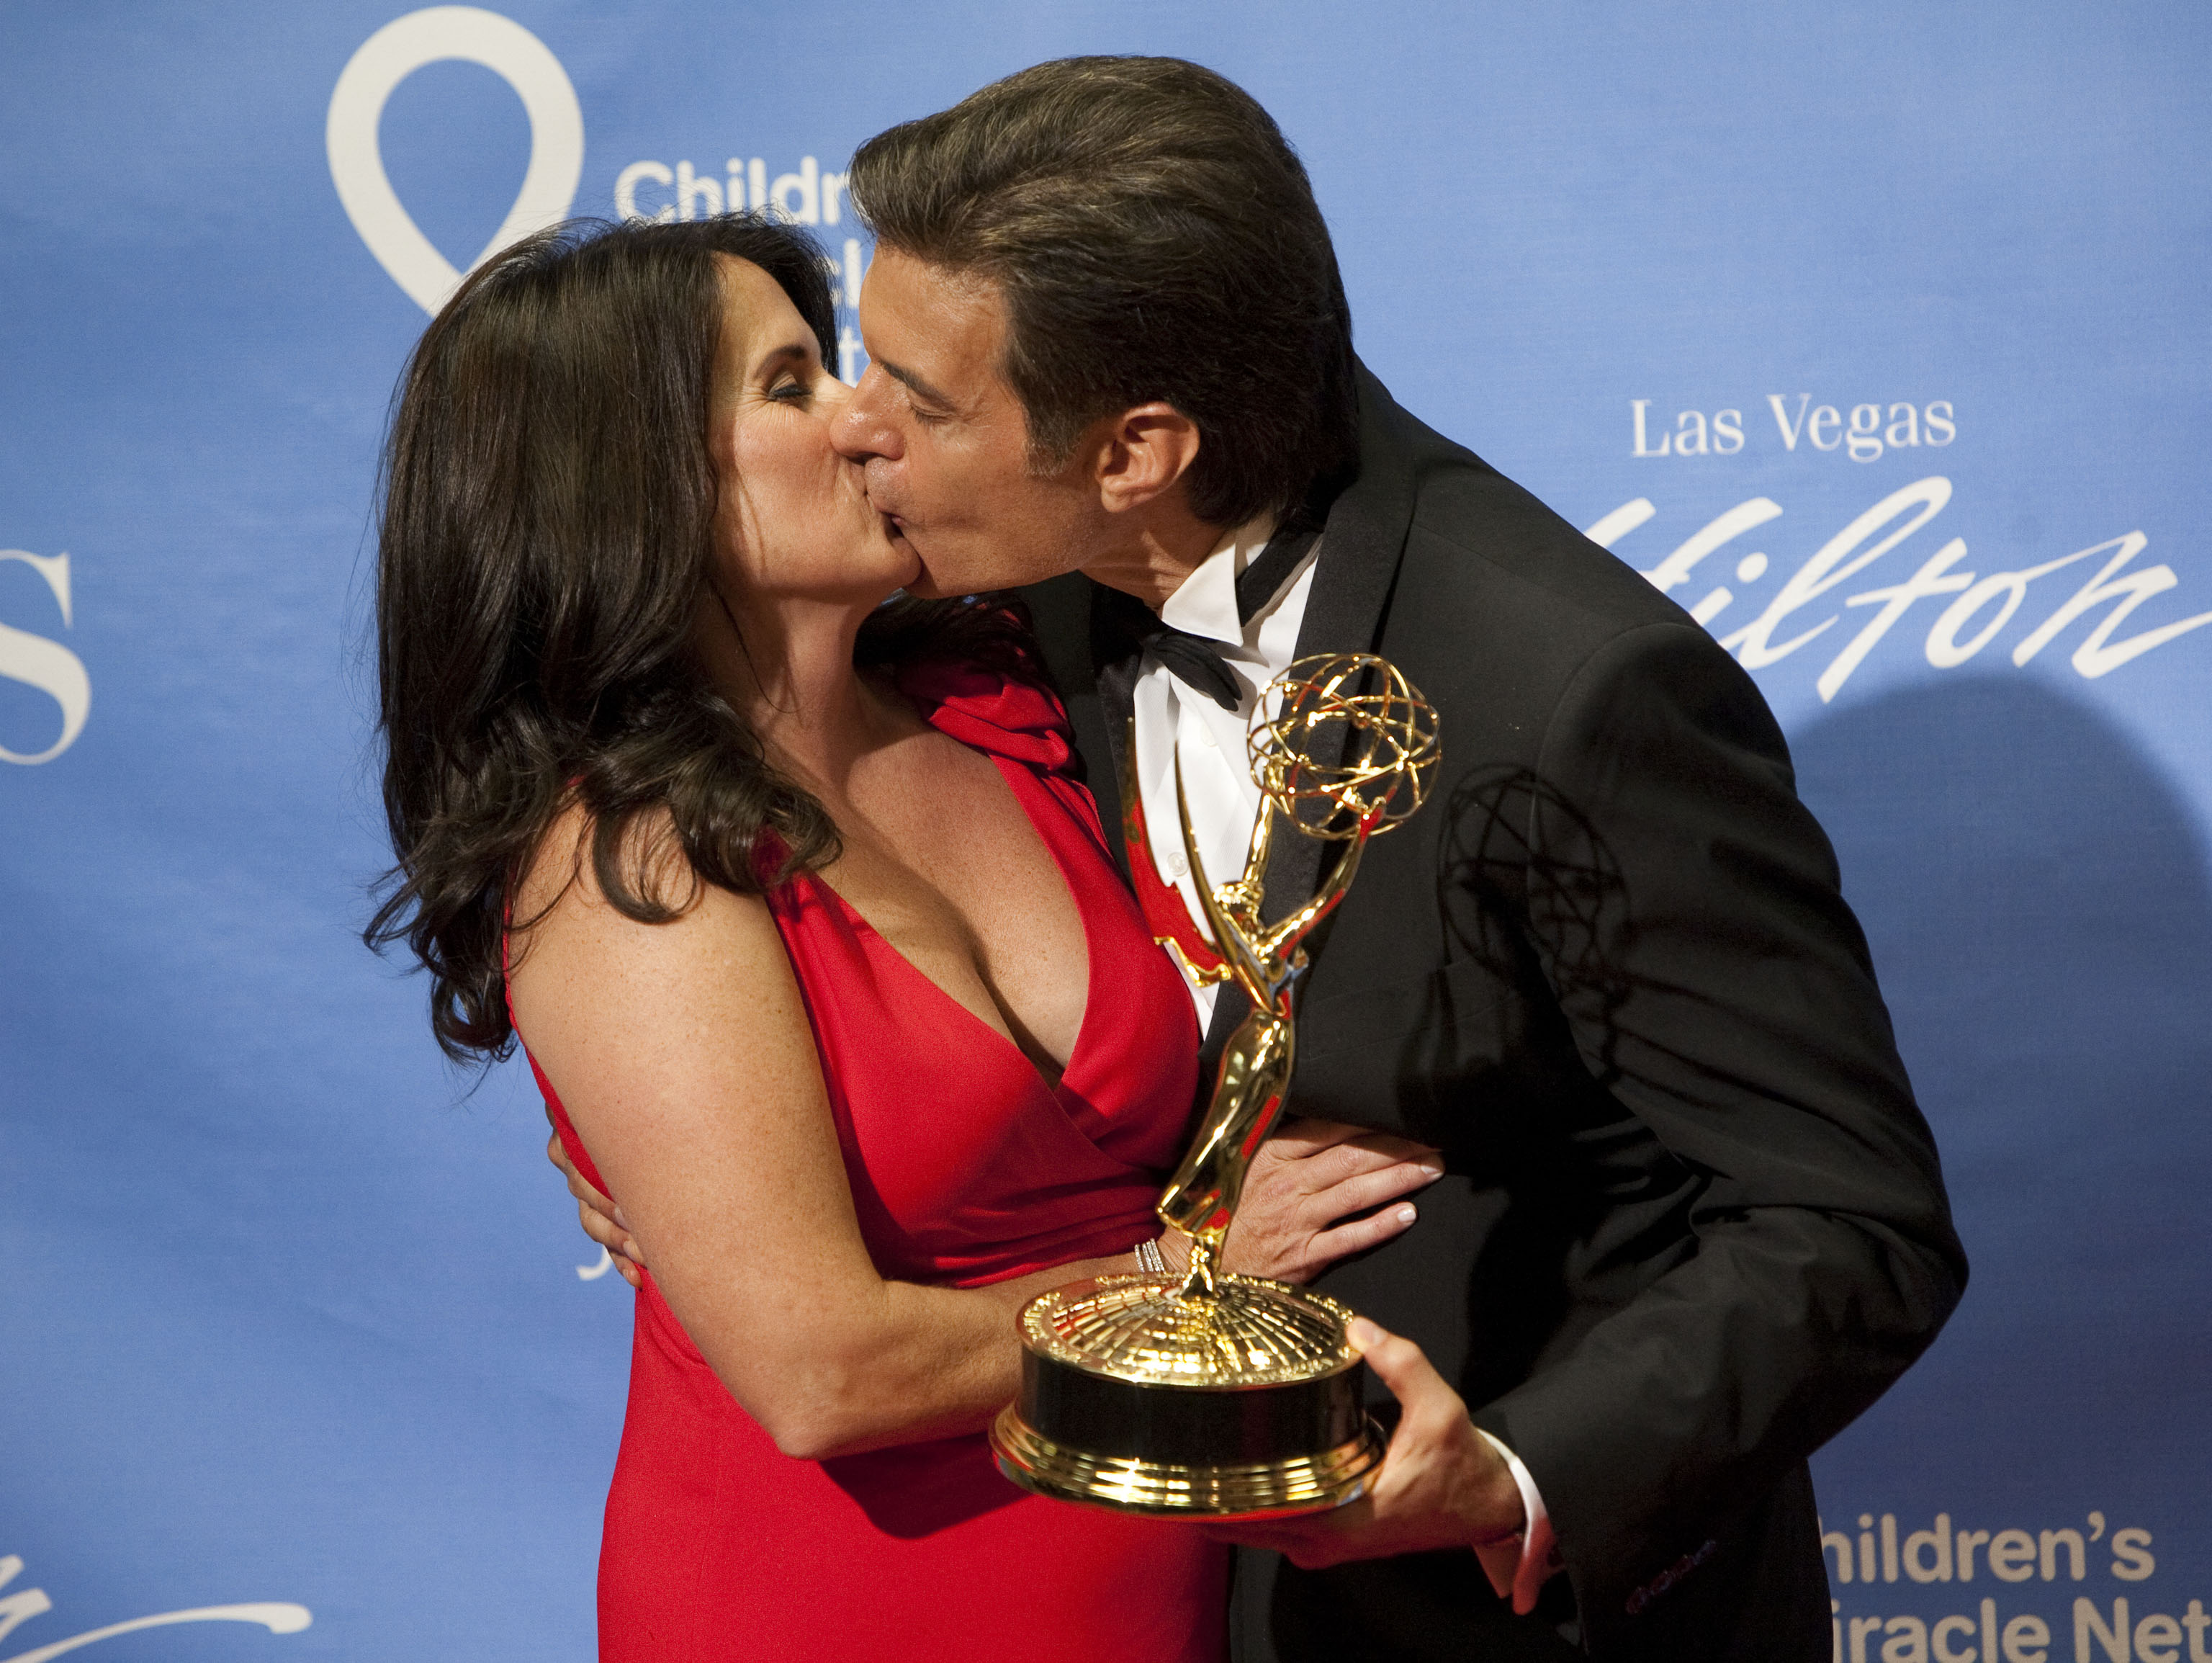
{"x": 602, "y": 1220}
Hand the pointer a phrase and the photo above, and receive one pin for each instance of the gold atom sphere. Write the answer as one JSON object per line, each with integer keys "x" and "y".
{"x": 1343, "y": 738}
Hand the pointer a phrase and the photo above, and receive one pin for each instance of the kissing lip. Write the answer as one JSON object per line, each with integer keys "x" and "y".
{"x": 894, "y": 532}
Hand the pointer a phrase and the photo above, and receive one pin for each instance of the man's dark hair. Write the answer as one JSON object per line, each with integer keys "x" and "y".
{"x": 545, "y": 539}
{"x": 1156, "y": 238}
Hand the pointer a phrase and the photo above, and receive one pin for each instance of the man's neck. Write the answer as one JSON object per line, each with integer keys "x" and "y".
{"x": 1153, "y": 551}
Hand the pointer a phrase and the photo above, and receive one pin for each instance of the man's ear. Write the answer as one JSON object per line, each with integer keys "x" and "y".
{"x": 1143, "y": 454}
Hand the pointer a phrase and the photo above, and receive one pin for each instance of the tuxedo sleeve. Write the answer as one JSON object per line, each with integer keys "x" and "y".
{"x": 1717, "y": 986}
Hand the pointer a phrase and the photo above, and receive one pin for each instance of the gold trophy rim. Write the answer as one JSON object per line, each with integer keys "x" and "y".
{"x": 1041, "y": 1340}
{"x": 1227, "y": 1492}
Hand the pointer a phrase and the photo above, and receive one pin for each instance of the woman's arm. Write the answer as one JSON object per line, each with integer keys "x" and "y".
{"x": 683, "y": 1055}
{"x": 1318, "y": 1190}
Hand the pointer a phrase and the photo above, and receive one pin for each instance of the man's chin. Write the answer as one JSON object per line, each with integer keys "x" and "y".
{"x": 922, "y": 586}
{"x": 946, "y": 579}
{"x": 926, "y": 585}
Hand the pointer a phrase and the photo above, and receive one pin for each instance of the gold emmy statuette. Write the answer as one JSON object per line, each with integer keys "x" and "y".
{"x": 1228, "y": 1396}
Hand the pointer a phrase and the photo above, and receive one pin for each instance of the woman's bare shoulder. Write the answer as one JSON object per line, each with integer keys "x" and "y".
{"x": 576, "y": 946}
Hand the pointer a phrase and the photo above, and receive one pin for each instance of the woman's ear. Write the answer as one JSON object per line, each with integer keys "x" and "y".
{"x": 1146, "y": 450}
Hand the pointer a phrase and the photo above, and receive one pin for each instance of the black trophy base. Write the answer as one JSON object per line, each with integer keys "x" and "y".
{"x": 1247, "y": 1404}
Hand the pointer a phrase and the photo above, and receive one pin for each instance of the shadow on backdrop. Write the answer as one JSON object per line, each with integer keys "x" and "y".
{"x": 2038, "y": 903}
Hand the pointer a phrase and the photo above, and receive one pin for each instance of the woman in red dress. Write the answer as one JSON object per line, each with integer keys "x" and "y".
{"x": 810, "y": 928}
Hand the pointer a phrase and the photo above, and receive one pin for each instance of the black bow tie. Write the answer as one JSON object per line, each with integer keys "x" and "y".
{"x": 1196, "y": 661}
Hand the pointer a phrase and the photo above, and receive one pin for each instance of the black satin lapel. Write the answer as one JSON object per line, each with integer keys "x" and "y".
{"x": 1229, "y": 1007}
{"x": 1060, "y": 615}
{"x": 1117, "y": 659}
{"x": 1059, "y": 618}
{"x": 1361, "y": 545}
{"x": 1263, "y": 579}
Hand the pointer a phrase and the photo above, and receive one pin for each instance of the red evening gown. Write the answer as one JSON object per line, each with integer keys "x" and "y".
{"x": 966, "y": 1169}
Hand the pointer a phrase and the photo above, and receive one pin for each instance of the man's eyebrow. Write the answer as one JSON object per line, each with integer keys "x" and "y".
{"x": 913, "y": 383}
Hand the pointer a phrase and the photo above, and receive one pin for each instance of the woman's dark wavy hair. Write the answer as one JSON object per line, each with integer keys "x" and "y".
{"x": 546, "y": 533}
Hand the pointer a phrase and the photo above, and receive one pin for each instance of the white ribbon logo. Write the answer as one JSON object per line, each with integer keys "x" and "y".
{"x": 278, "y": 1616}
{"x": 388, "y": 58}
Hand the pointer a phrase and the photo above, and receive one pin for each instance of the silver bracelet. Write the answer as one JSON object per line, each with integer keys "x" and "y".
{"x": 1149, "y": 1260}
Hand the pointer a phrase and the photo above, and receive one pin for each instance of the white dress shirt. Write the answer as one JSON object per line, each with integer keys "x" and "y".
{"x": 1225, "y": 803}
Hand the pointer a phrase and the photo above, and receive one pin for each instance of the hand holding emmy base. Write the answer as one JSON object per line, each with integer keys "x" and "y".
{"x": 1441, "y": 1483}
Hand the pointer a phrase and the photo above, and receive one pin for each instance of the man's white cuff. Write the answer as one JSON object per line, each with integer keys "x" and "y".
{"x": 1517, "y": 1569}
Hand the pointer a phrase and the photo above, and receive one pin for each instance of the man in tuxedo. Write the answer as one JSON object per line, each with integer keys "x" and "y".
{"x": 1692, "y": 1222}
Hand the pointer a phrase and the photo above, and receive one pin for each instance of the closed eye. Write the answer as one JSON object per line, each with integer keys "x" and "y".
{"x": 786, "y": 374}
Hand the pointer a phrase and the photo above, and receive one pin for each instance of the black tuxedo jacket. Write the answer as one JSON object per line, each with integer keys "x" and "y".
{"x": 1692, "y": 1222}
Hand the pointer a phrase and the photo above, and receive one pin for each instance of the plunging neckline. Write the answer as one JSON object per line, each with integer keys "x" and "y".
{"x": 1091, "y": 979}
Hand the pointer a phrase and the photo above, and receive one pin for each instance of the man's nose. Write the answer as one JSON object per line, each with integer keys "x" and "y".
{"x": 863, "y": 429}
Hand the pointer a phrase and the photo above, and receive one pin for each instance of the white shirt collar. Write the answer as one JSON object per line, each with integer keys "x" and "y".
{"x": 1205, "y": 602}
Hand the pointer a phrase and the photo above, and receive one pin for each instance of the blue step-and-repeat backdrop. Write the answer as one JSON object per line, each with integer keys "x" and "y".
{"x": 1876, "y": 334}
